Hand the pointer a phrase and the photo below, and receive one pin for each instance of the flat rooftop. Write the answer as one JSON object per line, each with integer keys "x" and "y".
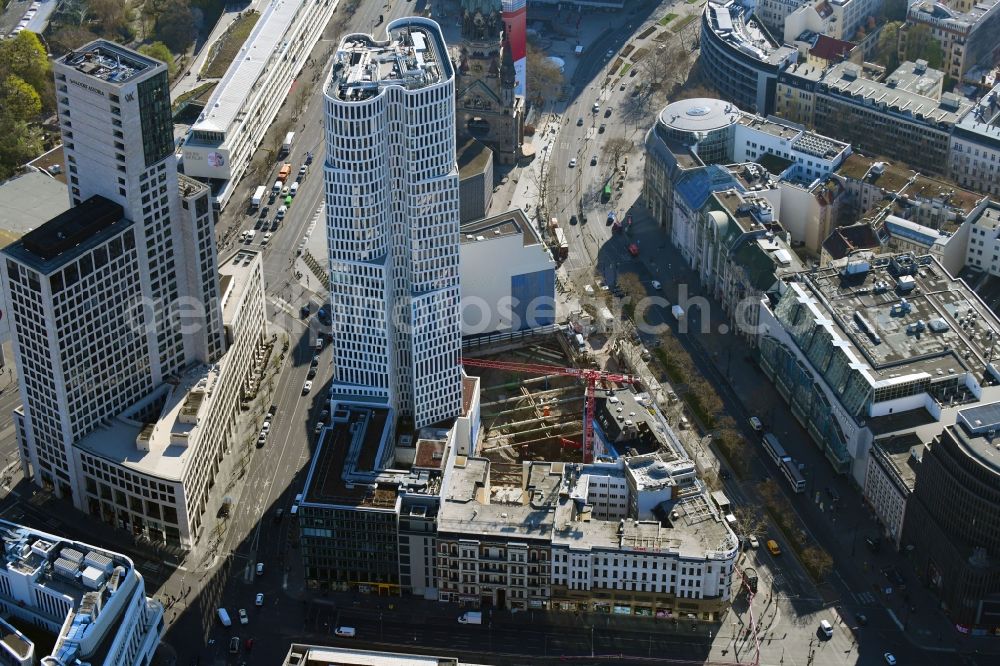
{"x": 982, "y": 122}
{"x": 694, "y": 528}
{"x": 91, "y": 577}
{"x": 69, "y": 235}
{"x": 414, "y": 56}
{"x": 940, "y": 11}
{"x": 29, "y": 201}
{"x": 922, "y": 319}
{"x": 629, "y": 423}
{"x": 109, "y": 62}
{"x": 266, "y": 43}
{"x": 976, "y": 431}
{"x": 321, "y": 655}
{"x": 510, "y": 223}
{"x": 989, "y": 216}
{"x": 846, "y": 79}
{"x": 900, "y": 452}
{"x": 700, "y": 114}
{"x": 734, "y": 24}
{"x": 915, "y": 186}
{"x": 349, "y": 449}
{"x": 473, "y": 157}
{"x": 165, "y": 447}
{"x": 234, "y": 278}
{"x": 471, "y": 505}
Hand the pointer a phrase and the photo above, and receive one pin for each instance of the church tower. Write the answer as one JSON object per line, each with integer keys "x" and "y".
{"x": 487, "y": 105}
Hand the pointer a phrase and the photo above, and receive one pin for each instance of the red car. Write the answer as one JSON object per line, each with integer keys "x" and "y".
{"x": 633, "y": 249}
{"x": 249, "y": 644}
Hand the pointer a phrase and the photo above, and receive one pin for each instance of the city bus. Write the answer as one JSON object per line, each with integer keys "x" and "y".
{"x": 790, "y": 470}
{"x": 775, "y": 451}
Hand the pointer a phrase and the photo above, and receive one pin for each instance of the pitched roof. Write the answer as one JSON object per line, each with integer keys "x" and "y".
{"x": 844, "y": 240}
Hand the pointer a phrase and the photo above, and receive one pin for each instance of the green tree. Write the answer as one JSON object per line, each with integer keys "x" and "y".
{"x": 160, "y": 51}
{"x": 20, "y": 101}
{"x": 921, "y": 44}
{"x": 175, "y": 25}
{"x": 887, "y": 51}
{"x": 25, "y": 56}
{"x": 20, "y": 142}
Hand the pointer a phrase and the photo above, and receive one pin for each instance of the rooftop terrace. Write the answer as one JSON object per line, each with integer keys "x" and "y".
{"x": 108, "y": 62}
{"x": 905, "y": 317}
{"x": 413, "y": 57}
{"x": 734, "y": 24}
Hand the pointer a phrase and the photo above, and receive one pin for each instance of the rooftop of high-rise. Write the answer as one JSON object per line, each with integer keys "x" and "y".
{"x": 413, "y": 57}
{"x": 108, "y": 61}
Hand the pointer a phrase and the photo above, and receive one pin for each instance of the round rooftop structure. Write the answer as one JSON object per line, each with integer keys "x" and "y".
{"x": 701, "y": 114}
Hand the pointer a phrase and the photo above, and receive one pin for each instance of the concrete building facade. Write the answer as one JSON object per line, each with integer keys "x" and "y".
{"x": 975, "y": 146}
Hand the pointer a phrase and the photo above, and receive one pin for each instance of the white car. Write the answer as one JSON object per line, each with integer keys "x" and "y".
{"x": 889, "y": 658}
{"x": 756, "y": 424}
{"x": 266, "y": 427}
{"x": 754, "y": 542}
{"x": 260, "y": 568}
{"x": 243, "y": 616}
{"x": 656, "y": 285}
{"x": 307, "y": 387}
{"x": 259, "y": 599}
{"x": 572, "y": 163}
{"x": 266, "y": 239}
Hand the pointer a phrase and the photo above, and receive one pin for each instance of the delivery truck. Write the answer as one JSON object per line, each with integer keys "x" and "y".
{"x": 224, "y": 618}
{"x": 470, "y": 617}
{"x": 258, "y": 197}
{"x": 678, "y": 312}
{"x": 286, "y": 171}
{"x": 286, "y": 146}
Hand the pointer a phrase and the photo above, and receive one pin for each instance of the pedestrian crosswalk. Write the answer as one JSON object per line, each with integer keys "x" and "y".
{"x": 864, "y": 598}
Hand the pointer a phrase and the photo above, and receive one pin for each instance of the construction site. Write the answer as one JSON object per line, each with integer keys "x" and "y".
{"x": 533, "y": 403}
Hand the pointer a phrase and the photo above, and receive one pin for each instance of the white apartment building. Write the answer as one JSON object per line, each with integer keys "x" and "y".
{"x": 393, "y": 221}
{"x": 221, "y": 143}
{"x": 92, "y": 601}
{"x": 670, "y": 554}
{"x": 774, "y": 12}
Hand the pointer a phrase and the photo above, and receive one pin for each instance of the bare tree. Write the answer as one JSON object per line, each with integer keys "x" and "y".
{"x": 665, "y": 66}
{"x": 817, "y": 561}
{"x": 544, "y": 78}
{"x": 616, "y": 148}
{"x": 749, "y": 520}
{"x": 539, "y": 178}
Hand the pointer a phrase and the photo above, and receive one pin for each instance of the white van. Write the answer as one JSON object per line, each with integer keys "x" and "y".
{"x": 277, "y": 186}
{"x": 345, "y": 632}
{"x": 224, "y": 618}
{"x": 293, "y": 189}
{"x": 826, "y": 628}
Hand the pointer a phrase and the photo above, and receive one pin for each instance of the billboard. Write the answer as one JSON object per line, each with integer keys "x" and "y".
{"x": 514, "y": 13}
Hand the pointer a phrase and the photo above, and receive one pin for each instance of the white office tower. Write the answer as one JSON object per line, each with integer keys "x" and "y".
{"x": 118, "y": 295}
{"x": 393, "y": 221}
{"x": 117, "y": 130}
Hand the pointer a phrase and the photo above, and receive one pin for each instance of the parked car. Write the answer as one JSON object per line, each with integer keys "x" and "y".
{"x": 633, "y": 249}
{"x": 307, "y": 387}
{"x": 593, "y": 161}
{"x": 259, "y": 599}
{"x": 754, "y": 541}
{"x": 655, "y": 284}
{"x": 756, "y": 424}
{"x": 889, "y": 658}
{"x": 600, "y": 130}
{"x": 607, "y": 113}
{"x": 579, "y": 122}
{"x": 260, "y": 568}
{"x": 572, "y": 163}
{"x": 234, "y": 644}
{"x": 243, "y": 616}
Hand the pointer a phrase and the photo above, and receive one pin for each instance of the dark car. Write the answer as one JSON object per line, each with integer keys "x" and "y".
{"x": 572, "y": 219}
{"x": 311, "y": 373}
{"x": 607, "y": 113}
{"x": 862, "y": 619}
{"x": 264, "y": 211}
{"x": 579, "y": 122}
{"x": 873, "y": 544}
{"x": 834, "y": 496}
{"x": 600, "y": 130}
{"x": 724, "y": 474}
